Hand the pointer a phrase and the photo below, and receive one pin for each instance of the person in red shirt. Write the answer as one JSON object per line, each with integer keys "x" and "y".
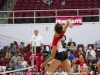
{"x": 26, "y": 57}
{"x": 81, "y": 62}
{"x": 81, "y": 51}
{"x": 3, "y": 62}
{"x": 29, "y": 53}
{"x": 58, "y": 56}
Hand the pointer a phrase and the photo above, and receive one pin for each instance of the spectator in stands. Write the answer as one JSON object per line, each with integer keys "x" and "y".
{"x": 97, "y": 44}
{"x": 80, "y": 49}
{"x": 92, "y": 52}
{"x": 12, "y": 48}
{"x": 75, "y": 69}
{"x": 98, "y": 65}
{"x": 88, "y": 55}
{"x": 46, "y": 51}
{"x": 86, "y": 71}
{"x": 70, "y": 55}
{"x": 8, "y": 55}
{"x": 49, "y": 2}
{"x": 78, "y": 54}
{"x": 56, "y": 2}
{"x": 29, "y": 72}
{"x": 3, "y": 64}
{"x": 72, "y": 48}
{"x": 81, "y": 62}
{"x": 59, "y": 71}
{"x": 38, "y": 40}
{"x": 70, "y": 41}
{"x": 13, "y": 62}
{"x": 95, "y": 69}
{"x": 19, "y": 66}
{"x": 90, "y": 65}
{"x": 16, "y": 57}
{"x": 24, "y": 63}
{"x": 29, "y": 53}
{"x": 91, "y": 60}
{"x": 21, "y": 46}
{"x": 15, "y": 44}
{"x": 26, "y": 57}
{"x": 10, "y": 68}
{"x": 63, "y": 2}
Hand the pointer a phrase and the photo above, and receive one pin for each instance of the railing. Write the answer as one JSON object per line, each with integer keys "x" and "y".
{"x": 55, "y": 11}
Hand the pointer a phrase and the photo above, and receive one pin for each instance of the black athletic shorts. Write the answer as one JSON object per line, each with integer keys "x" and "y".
{"x": 61, "y": 56}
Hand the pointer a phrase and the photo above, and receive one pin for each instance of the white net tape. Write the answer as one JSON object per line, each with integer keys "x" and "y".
{"x": 16, "y": 70}
{"x": 6, "y": 40}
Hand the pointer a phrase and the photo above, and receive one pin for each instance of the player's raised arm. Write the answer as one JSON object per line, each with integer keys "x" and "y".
{"x": 68, "y": 23}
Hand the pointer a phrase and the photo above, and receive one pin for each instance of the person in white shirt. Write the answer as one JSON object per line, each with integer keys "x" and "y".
{"x": 24, "y": 63}
{"x": 92, "y": 52}
{"x": 37, "y": 40}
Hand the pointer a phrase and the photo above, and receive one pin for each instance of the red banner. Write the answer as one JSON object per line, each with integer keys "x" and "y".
{"x": 77, "y": 20}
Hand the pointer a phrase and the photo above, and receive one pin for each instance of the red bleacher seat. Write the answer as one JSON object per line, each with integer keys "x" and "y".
{"x": 19, "y": 14}
{"x": 2, "y": 55}
{"x": 32, "y": 1}
{"x": 18, "y": 4}
{"x": 75, "y": 2}
{"x": 36, "y": 7}
{"x": 56, "y": 7}
{"x": 69, "y": 2}
{"x": 95, "y": 12}
{"x": 89, "y": 3}
{"x": 69, "y": 7}
{"x": 50, "y": 14}
{"x": 25, "y": 4}
{"x": 37, "y": 4}
{"x": 89, "y": 6}
{"x": 81, "y": 12}
{"x": 80, "y": 45}
{"x": 28, "y": 14}
{"x": 88, "y": 12}
{"x": 82, "y": 3}
{"x": 36, "y": 15}
{"x": 63, "y": 7}
{"x": 76, "y": 6}
{"x": 43, "y": 14}
{"x": 25, "y": 1}
{"x": 23, "y": 8}
{"x": 17, "y": 8}
{"x": 43, "y": 7}
{"x": 95, "y": 6}
{"x": 20, "y": 1}
{"x": 92, "y": 45}
{"x": 49, "y": 7}
{"x": 30, "y": 7}
{"x": 82, "y": 7}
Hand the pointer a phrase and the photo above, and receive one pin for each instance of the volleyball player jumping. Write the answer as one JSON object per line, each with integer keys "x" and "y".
{"x": 58, "y": 56}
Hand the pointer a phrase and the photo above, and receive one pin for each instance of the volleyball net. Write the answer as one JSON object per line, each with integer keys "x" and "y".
{"x": 5, "y": 42}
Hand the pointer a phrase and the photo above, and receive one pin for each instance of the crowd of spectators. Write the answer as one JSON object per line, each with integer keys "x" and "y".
{"x": 55, "y": 2}
{"x": 20, "y": 56}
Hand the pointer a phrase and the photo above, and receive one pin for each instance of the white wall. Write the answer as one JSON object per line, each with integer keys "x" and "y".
{"x": 85, "y": 34}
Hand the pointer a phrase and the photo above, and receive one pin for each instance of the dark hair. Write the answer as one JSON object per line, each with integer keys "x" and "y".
{"x": 58, "y": 28}
{"x": 69, "y": 50}
{"x": 15, "y": 42}
{"x": 83, "y": 58}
